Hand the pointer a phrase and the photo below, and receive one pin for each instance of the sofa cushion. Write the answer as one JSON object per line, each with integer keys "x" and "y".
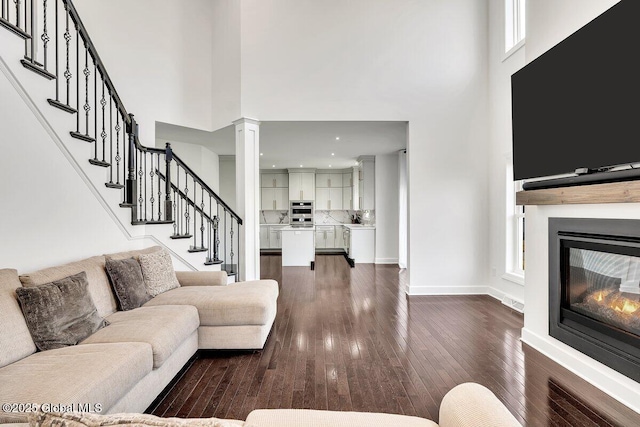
{"x": 60, "y": 313}
{"x": 313, "y": 418}
{"x": 135, "y": 254}
{"x": 99, "y": 286}
{"x": 15, "y": 338}
{"x": 157, "y": 270}
{"x": 88, "y": 374}
{"x": 42, "y": 419}
{"x": 163, "y": 327}
{"x": 127, "y": 282}
{"x": 242, "y": 303}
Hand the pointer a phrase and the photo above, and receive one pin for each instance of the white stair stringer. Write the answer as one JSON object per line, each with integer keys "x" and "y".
{"x": 35, "y": 90}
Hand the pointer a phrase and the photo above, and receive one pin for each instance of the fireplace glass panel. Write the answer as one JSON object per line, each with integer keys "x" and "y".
{"x": 605, "y": 287}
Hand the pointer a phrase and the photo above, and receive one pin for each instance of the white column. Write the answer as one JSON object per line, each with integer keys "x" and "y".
{"x": 248, "y": 196}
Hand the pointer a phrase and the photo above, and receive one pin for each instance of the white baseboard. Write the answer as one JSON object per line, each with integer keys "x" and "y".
{"x": 611, "y": 382}
{"x": 506, "y": 299}
{"x": 447, "y": 290}
{"x": 386, "y": 261}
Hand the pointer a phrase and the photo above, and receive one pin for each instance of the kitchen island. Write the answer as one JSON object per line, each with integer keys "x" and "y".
{"x": 298, "y": 246}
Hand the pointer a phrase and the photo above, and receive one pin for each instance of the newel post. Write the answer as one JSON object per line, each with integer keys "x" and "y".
{"x": 168, "y": 204}
{"x": 131, "y": 191}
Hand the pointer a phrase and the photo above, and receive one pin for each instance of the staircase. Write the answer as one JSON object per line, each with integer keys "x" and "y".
{"x": 155, "y": 185}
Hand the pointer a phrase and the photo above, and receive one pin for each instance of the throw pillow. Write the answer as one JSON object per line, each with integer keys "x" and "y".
{"x": 157, "y": 270}
{"x": 127, "y": 282}
{"x": 60, "y": 313}
{"x": 70, "y": 419}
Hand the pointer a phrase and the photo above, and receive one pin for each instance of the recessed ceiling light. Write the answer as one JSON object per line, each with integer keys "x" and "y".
{"x": 261, "y": 154}
{"x": 333, "y": 154}
{"x": 300, "y": 165}
{"x": 337, "y": 138}
{"x": 329, "y": 165}
{"x": 273, "y": 166}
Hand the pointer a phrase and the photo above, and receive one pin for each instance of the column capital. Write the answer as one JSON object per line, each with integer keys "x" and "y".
{"x": 246, "y": 120}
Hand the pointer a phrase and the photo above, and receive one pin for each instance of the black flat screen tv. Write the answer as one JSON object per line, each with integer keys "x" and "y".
{"x": 578, "y": 104}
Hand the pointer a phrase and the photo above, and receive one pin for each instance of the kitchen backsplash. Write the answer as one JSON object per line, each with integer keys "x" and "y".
{"x": 321, "y": 217}
{"x": 274, "y": 217}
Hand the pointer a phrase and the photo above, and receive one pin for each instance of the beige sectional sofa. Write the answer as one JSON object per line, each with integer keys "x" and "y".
{"x": 125, "y": 365}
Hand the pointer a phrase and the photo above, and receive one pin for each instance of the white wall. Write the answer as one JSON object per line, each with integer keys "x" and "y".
{"x": 49, "y": 215}
{"x": 423, "y": 62}
{"x": 159, "y": 56}
{"x": 226, "y": 63}
{"x": 387, "y": 208}
{"x": 228, "y": 180}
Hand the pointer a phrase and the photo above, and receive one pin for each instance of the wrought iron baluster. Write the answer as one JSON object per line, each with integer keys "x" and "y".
{"x": 210, "y": 234}
{"x": 110, "y": 135}
{"x": 201, "y": 218}
{"x": 45, "y": 35}
{"x": 117, "y": 128}
{"x": 140, "y": 178}
{"x": 195, "y": 218}
{"x": 231, "y": 244}
{"x": 32, "y": 56}
{"x": 152, "y": 198}
{"x": 216, "y": 235}
{"x": 67, "y": 38}
{"x": 179, "y": 202}
{"x": 187, "y": 217}
{"x": 159, "y": 190}
{"x": 87, "y": 73}
{"x": 17, "y": 3}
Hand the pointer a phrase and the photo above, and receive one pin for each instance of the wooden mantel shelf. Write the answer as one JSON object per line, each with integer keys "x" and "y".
{"x": 615, "y": 192}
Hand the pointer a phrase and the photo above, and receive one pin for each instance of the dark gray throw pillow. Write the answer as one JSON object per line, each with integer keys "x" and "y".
{"x": 127, "y": 282}
{"x": 60, "y": 313}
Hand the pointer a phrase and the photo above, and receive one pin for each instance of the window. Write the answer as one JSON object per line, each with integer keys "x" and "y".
{"x": 515, "y": 29}
{"x": 515, "y": 231}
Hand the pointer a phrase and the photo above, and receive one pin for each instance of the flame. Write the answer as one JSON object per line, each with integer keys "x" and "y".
{"x": 628, "y": 307}
{"x": 599, "y": 297}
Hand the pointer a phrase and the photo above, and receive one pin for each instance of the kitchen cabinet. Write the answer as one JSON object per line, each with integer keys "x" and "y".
{"x": 347, "y": 190}
{"x": 264, "y": 237}
{"x": 302, "y": 186}
{"x": 325, "y": 236}
{"x": 276, "y": 199}
{"x": 329, "y": 199}
{"x": 275, "y": 237}
{"x": 338, "y": 241}
{"x": 362, "y": 243}
{"x": 366, "y": 183}
{"x": 329, "y": 180}
{"x": 274, "y": 180}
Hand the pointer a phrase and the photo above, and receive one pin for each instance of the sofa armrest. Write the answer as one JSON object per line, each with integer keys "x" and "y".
{"x": 202, "y": 278}
{"x": 473, "y": 405}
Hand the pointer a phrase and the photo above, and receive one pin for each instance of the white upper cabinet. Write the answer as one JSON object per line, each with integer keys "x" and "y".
{"x": 302, "y": 186}
{"x": 276, "y": 199}
{"x": 366, "y": 185}
{"x": 329, "y": 180}
{"x": 274, "y": 180}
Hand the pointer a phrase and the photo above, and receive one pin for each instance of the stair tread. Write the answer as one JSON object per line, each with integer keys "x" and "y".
{"x": 113, "y": 185}
{"x": 36, "y": 68}
{"x": 195, "y": 250}
{"x": 61, "y": 106}
{"x": 82, "y": 136}
{"x": 100, "y": 163}
{"x": 181, "y": 236}
{"x": 14, "y": 29}
{"x": 159, "y": 222}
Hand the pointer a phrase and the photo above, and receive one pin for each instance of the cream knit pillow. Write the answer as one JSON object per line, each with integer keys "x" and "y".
{"x": 157, "y": 270}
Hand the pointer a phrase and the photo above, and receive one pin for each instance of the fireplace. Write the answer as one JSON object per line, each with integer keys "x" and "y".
{"x": 594, "y": 289}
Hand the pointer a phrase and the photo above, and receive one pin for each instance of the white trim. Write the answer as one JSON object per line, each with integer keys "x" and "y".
{"x": 386, "y": 261}
{"x": 448, "y": 290}
{"x": 595, "y": 373}
{"x": 513, "y": 277}
{"x": 514, "y": 49}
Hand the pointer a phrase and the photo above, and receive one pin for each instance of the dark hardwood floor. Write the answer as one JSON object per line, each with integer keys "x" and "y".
{"x": 352, "y": 340}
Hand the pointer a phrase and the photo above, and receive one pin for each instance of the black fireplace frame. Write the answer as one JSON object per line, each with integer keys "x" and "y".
{"x": 614, "y": 347}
